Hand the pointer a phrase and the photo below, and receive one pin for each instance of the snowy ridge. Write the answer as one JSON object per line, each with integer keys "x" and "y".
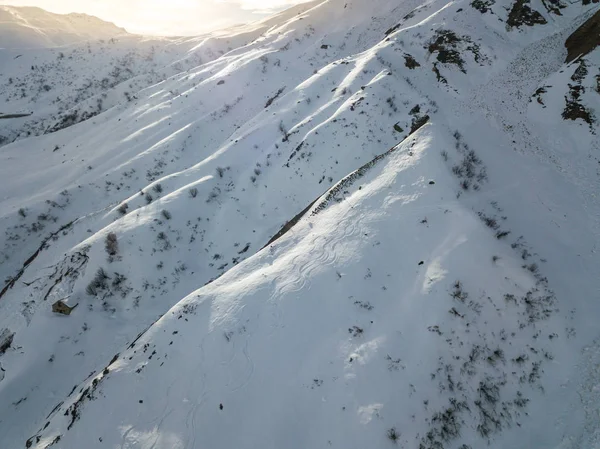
{"x": 46, "y": 90}
{"x": 442, "y": 297}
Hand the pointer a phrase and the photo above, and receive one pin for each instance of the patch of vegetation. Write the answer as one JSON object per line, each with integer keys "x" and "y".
{"x": 458, "y": 292}
{"x": 274, "y": 97}
{"x": 111, "y": 245}
{"x": 393, "y": 435}
{"x": 502, "y": 234}
{"x": 392, "y": 103}
{"x": 164, "y": 239}
{"x": 355, "y": 331}
{"x": 490, "y": 222}
{"x": 213, "y": 195}
{"x": 98, "y": 284}
{"x": 554, "y": 6}
{"x": 364, "y": 305}
{"x": 483, "y": 6}
{"x": 470, "y": 170}
{"x": 284, "y": 132}
{"x": 410, "y": 61}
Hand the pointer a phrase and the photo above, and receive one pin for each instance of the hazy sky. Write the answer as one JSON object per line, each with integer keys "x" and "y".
{"x": 165, "y": 17}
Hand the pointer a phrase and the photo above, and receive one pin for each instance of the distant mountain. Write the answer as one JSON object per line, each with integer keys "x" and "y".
{"x": 29, "y": 27}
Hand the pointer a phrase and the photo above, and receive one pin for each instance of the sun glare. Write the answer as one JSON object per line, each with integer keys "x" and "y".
{"x": 166, "y": 17}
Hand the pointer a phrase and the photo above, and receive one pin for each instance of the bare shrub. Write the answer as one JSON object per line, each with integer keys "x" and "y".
{"x": 458, "y": 292}
{"x": 393, "y": 435}
{"x": 283, "y": 130}
{"x": 98, "y": 284}
{"x": 111, "y": 245}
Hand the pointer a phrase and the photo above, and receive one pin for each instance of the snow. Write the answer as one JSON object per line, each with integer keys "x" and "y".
{"x": 440, "y": 289}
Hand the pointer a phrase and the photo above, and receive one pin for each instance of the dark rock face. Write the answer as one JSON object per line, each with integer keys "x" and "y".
{"x": 584, "y": 39}
{"x": 482, "y": 6}
{"x": 6, "y": 339}
{"x": 522, "y": 14}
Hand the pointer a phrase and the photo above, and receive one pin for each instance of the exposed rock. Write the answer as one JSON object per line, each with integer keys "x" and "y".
{"x": 410, "y": 62}
{"x": 438, "y": 75}
{"x": 417, "y": 122}
{"x": 522, "y": 14}
{"x": 445, "y": 44}
{"x": 450, "y": 48}
{"x": 538, "y": 95}
{"x": 482, "y": 6}
{"x": 574, "y": 109}
{"x": 554, "y": 6}
{"x": 6, "y": 338}
{"x": 393, "y": 29}
{"x": 584, "y": 39}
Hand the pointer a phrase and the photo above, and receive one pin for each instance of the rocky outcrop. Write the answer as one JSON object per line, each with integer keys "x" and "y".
{"x": 585, "y": 38}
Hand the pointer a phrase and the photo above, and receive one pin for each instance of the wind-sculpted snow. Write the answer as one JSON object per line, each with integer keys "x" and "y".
{"x": 383, "y": 219}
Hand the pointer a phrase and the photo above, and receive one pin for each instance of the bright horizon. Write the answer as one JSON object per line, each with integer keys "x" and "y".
{"x": 165, "y": 17}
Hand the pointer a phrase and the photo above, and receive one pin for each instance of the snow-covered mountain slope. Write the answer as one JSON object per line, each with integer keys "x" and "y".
{"x": 48, "y": 89}
{"x": 30, "y": 27}
{"x": 383, "y": 220}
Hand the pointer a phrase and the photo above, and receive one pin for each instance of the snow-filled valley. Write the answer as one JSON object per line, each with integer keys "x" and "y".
{"x": 354, "y": 224}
